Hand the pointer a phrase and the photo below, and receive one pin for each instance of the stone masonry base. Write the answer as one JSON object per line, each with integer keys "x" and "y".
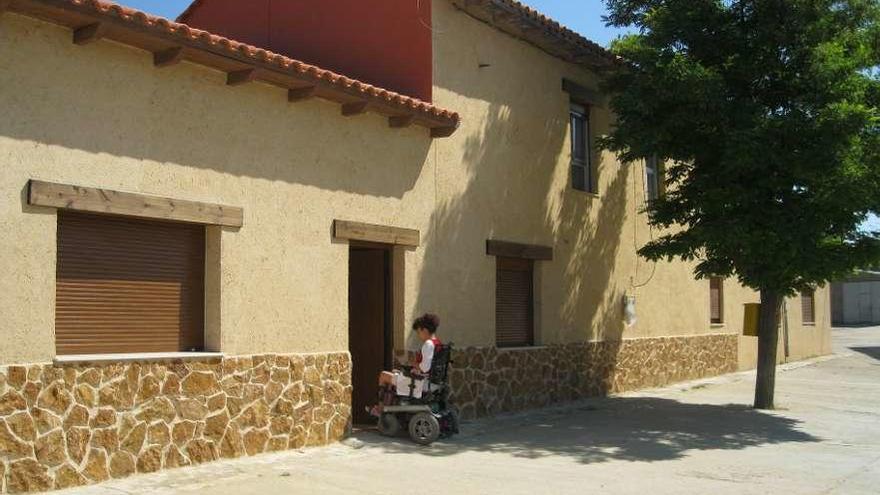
{"x": 70, "y": 425}
{"x": 486, "y": 381}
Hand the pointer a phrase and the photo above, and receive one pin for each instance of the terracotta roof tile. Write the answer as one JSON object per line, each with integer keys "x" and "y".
{"x": 543, "y": 31}
{"x": 193, "y": 38}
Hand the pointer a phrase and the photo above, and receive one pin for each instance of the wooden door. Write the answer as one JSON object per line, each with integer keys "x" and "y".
{"x": 368, "y": 325}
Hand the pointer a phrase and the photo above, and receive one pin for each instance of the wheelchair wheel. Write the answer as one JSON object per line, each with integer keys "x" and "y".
{"x": 389, "y": 425}
{"x": 454, "y": 419}
{"x": 424, "y": 428}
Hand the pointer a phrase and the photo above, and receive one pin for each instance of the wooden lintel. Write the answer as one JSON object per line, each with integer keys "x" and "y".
{"x": 88, "y": 34}
{"x": 95, "y": 200}
{"x": 382, "y": 234}
{"x": 241, "y": 77}
{"x": 442, "y": 132}
{"x": 399, "y": 121}
{"x": 299, "y": 94}
{"x": 506, "y": 249}
{"x": 4, "y": 5}
{"x": 355, "y": 108}
{"x": 169, "y": 57}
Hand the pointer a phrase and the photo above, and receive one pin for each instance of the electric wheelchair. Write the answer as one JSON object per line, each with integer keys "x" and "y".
{"x": 430, "y": 416}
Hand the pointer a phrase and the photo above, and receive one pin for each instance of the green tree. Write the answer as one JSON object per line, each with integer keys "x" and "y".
{"x": 766, "y": 113}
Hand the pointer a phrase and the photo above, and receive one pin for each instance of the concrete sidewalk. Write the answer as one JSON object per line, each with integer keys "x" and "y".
{"x": 699, "y": 437}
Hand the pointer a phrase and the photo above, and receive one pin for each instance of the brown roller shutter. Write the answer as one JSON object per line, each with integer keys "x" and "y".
{"x": 514, "y": 303}
{"x": 808, "y": 307}
{"x": 716, "y": 300}
{"x": 128, "y": 285}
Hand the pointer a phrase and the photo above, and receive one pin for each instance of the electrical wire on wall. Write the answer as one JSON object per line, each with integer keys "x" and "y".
{"x": 632, "y": 279}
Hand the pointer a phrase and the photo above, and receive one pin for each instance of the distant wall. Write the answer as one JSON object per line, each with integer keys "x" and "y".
{"x": 856, "y": 302}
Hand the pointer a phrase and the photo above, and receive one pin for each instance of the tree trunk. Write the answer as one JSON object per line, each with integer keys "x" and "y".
{"x": 768, "y": 337}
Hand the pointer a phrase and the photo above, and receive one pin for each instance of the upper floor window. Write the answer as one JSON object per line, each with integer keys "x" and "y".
{"x": 581, "y": 169}
{"x": 652, "y": 177}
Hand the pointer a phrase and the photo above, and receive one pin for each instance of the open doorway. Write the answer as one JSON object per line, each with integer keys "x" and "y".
{"x": 369, "y": 323}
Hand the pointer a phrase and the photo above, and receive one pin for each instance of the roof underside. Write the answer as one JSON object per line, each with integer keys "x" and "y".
{"x": 527, "y": 24}
{"x": 170, "y": 42}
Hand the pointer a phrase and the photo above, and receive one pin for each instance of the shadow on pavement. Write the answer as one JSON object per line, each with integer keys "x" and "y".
{"x": 873, "y": 352}
{"x": 622, "y": 428}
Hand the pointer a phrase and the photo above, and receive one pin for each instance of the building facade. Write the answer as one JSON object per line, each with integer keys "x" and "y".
{"x": 855, "y": 301}
{"x": 211, "y": 249}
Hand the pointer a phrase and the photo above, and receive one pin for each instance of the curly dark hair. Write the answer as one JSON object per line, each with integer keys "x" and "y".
{"x": 428, "y": 321}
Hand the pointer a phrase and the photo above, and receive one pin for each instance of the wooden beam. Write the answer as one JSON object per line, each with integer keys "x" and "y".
{"x": 300, "y": 94}
{"x": 442, "y": 132}
{"x": 94, "y": 200}
{"x": 88, "y": 34}
{"x": 4, "y": 5}
{"x": 169, "y": 57}
{"x": 238, "y": 77}
{"x": 399, "y": 121}
{"x": 355, "y": 108}
{"x": 383, "y": 234}
{"x": 516, "y": 250}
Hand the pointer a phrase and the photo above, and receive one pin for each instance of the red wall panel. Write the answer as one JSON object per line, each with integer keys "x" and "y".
{"x": 383, "y": 42}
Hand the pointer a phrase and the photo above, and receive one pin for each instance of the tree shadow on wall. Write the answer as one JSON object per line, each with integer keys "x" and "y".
{"x": 507, "y": 170}
{"x": 578, "y": 298}
{"x": 613, "y": 429}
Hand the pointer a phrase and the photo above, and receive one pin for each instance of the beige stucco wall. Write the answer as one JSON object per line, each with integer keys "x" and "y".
{"x": 506, "y": 176}
{"x": 102, "y": 115}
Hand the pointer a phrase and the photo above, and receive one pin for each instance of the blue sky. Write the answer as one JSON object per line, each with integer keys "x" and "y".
{"x": 583, "y": 16}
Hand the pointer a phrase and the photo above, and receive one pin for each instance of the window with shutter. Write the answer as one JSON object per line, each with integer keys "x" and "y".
{"x": 128, "y": 285}
{"x": 514, "y": 302}
{"x": 808, "y": 307}
{"x": 652, "y": 178}
{"x": 716, "y": 300}
{"x": 581, "y": 166}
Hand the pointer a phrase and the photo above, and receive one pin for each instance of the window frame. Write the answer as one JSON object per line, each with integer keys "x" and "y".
{"x": 71, "y": 224}
{"x": 653, "y": 174}
{"x": 810, "y": 296}
{"x": 720, "y": 289}
{"x": 503, "y": 263}
{"x": 581, "y": 160}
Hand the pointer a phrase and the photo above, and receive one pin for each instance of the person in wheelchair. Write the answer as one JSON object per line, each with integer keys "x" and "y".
{"x": 417, "y": 398}
{"x": 411, "y": 381}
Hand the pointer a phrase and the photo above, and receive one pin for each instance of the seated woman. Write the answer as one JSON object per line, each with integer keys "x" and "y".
{"x": 391, "y": 382}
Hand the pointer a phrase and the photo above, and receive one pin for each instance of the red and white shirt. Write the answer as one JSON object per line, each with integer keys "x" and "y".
{"x": 425, "y": 357}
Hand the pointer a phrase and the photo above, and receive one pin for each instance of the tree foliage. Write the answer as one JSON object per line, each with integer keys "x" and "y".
{"x": 766, "y": 112}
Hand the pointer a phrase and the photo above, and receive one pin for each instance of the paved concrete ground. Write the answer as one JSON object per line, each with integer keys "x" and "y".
{"x": 700, "y": 437}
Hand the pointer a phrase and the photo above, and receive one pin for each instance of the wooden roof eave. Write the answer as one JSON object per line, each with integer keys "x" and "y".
{"x": 169, "y": 48}
{"x": 512, "y": 21}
